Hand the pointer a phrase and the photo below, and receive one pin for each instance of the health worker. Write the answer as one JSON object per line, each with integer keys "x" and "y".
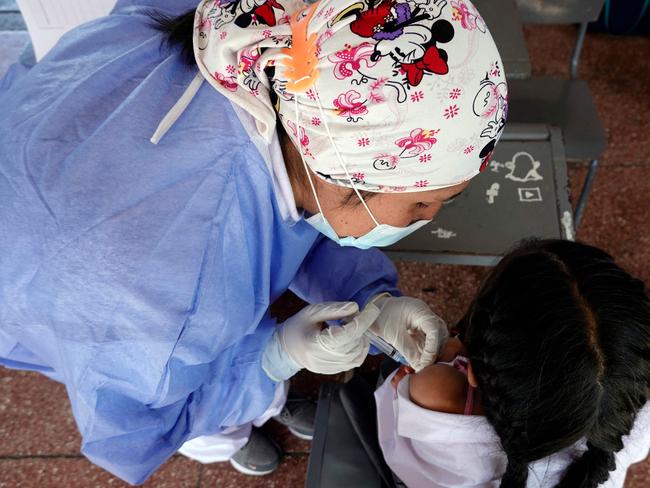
{"x": 170, "y": 170}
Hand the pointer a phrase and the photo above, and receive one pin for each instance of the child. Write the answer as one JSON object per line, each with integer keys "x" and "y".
{"x": 547, "y": 384}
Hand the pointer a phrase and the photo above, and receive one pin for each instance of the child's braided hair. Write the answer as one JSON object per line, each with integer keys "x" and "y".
{"x": 559, "y": 341}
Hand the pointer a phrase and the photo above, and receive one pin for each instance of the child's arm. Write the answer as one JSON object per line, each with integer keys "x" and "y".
{"x": 399, "y": 375}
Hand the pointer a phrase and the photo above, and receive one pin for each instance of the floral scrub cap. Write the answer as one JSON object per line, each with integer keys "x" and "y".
{"x": 384, "y": 95}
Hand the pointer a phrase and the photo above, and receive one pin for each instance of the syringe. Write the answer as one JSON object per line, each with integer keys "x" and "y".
{"x": 385, "y": 347}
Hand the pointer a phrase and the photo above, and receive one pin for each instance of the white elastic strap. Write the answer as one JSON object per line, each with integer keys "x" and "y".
{"x": 338, "y": 155}
{"x": 311, "y": 183}
{"x": 178, "y": 108}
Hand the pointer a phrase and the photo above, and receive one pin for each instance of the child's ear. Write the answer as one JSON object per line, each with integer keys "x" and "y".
{"x": 471, "y": 379}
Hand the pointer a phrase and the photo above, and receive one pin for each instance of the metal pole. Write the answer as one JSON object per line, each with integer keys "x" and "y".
{"x": 577, "y": 50}
{"x": 584, "y": 194}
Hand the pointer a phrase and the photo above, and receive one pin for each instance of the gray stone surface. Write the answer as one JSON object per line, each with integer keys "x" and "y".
{"x": 522, "y": 193}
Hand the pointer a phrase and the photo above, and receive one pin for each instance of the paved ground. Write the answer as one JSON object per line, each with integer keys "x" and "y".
{"x": 38, "y": 440}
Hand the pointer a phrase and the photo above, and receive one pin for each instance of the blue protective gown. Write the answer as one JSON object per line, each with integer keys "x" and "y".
{"x": 138, "y": 275}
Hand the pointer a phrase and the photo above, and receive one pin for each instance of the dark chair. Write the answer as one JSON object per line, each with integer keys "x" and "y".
{"x": 345, "y": 452}
{"x": 564, "y": 103}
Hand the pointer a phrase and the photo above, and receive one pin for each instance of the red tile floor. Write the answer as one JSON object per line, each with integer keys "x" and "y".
{"x": 39, "y": 443}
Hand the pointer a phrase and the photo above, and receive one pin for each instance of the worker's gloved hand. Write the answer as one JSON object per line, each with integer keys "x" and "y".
{"x": 411, "y": 327}
{"x": 304, "y": 341}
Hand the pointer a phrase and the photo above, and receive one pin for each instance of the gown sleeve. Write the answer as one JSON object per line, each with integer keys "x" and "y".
{"x": 131, "y": 435}
{"x": 335, "y": 273}
{"x": 154, "y": 317}
{"x": 138, "y": 275}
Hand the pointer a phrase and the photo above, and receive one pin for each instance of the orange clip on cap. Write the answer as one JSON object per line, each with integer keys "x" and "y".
{"x": 302, "y": 71}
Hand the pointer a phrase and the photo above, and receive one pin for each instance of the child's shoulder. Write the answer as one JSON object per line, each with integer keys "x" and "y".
{"x": 439, "y": 387}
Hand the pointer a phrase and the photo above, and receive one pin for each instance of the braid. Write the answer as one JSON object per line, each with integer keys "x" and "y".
{"x": 516, "y": 475}
{"x": 497, "y": 400}
{"x": 590, "y": 470}
{"x": 623, "y": 394}
{"x": 559, "y": 341}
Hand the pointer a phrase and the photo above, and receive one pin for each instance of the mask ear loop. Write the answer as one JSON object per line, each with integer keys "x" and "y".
{"x": 302, "y": 72}
{"x": 340, "y": 159}
{"x": 311, "y": 183}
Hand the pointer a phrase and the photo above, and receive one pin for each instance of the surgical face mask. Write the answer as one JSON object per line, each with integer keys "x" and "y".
{"x": 380, "y": 236}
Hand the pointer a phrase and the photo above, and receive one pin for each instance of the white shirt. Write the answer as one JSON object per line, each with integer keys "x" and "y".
{"x": 432, "y": 449}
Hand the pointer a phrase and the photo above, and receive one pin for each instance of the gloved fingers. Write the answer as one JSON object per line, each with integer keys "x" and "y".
{"x": 362, "y": 351}
{"x": 427, "y": 321}
{"x": 351, "y": 331}
{"x": 437, "y": 338}
{"x": 431, "y": 333}
{"x": 429, "y": 344}
{"x": 330, "y": 350}
{"x": 410, "y": 345}
{"x": 357, "y": 352}
{"x": 322, "y": 312}
{"x": 332, "y": 362}
{"x": 426, "y": 358}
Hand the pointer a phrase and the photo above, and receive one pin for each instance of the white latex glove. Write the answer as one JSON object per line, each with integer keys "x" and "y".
{"x": 303, "y": 341}
{"x": 411, "y": 327}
